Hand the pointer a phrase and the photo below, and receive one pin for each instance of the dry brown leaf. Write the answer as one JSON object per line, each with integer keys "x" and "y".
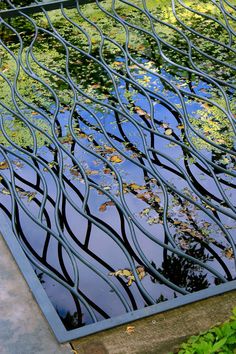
{"x": 107, "y": 171}
{"x": 130, "y": 329}
{"x": 140, "y": 111}
{"x": 103, "y": 207}
{"x": 229, "y": 253}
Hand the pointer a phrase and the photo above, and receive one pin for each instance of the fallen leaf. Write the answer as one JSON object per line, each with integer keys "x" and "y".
{"x": 52, "y": 164}
{"x": 141, "y": 272}
{"x": 157, "y": 199}
{"x": 116, "y": 159}
{"x": 107, "y": 171}
{"x": 91, "y": 172}
{"x": 130, "y": 329}
{"x": 31, "y": 196}
{"x": 145, "y": 212}
{"x": 165, "y": 125}
{"x": 135, "y": 187}
{"x": 109, "y": 149}
{"x": 4, "y": 165}
{"x": 103, "y": 207}
{"x": 152, "y": 221}
{"x": 177, "y": 222}
{"x": 74, "y": 171}
{"x": 6, "y": 191}
{"x": 168, "y": 131}
{"x": 18, "y": 164}
{"x": 144, "y": 196}
{"x": 128, "y": 274}
{"x": 139, "y": 111}
{"x": 229, "y": 253}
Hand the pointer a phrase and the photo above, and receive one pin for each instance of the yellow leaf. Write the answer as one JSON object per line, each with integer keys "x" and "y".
{"x": 157, "y": 199}
{"x": 116, "y": 159}
{"x": 135, "y": 187}
{"x": 6, "y": 191}
{"x": 168, "y": 131}
{"x": 31, "y": 196}
{"x": 4, "y": 165}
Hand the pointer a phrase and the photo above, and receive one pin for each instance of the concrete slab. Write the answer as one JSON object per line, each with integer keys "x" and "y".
{"x": 161, "y": 333}
{"x": 23, "y": 328}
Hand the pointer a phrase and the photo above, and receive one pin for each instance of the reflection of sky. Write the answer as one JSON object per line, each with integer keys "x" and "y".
{"x": 104, "y": 252}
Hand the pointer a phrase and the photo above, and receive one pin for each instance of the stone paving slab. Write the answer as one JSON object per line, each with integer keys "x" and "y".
{"x": 23, "y": 328}
{"x": 161, "y": 333}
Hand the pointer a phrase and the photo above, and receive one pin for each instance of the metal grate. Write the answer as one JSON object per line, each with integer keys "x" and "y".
{"x": 118, "y": 155}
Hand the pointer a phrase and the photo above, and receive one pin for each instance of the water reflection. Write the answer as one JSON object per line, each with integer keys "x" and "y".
{"x": 136, "y": 171}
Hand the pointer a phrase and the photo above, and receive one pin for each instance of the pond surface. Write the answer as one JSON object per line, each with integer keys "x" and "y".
{"x": 118, "y": 153}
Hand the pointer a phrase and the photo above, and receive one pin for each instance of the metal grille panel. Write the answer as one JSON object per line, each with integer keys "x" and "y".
{"x": 118, "y": 153}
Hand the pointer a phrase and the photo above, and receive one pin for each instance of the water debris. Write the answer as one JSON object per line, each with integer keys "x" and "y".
{"x": 168, "y": 131}
{"x": 50, "y": 165}
{"x": 116, "y": 159}
{"x": 30, "y": 195}
{"x": 5, "y": 191}
{"x": 229, "y": 253}
{"x": 4, "y": 165}
{"x": 103, "y": 207}
{"x": 128, "y": 274}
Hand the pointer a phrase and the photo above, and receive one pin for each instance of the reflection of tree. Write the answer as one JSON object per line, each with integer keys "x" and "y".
{"x": 184, "y": 273}
{"x": 71, "y": 321}
{"x": 40, "y": 276}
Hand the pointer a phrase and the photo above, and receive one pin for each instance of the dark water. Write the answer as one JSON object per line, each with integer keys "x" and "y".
{"x": 139, "y": 219}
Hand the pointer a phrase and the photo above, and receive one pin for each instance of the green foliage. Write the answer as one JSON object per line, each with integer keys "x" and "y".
{"x": 221, "y": 339}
